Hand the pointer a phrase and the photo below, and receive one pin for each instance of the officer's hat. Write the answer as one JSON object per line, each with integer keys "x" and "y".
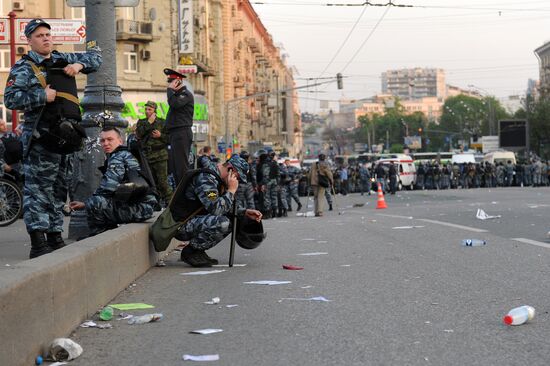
{"x": 173, "y": 74}
{"x": 33, "y": 24}
{"x": 240, "y": 165}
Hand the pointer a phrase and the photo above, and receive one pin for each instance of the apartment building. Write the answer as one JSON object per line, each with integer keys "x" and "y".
{"x": 415, "y": 83}
{"x": 220, "y": 44}
{"x": 543, "y": 55}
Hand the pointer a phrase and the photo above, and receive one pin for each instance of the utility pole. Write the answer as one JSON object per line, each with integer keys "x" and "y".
{"x": 100, "y": 94}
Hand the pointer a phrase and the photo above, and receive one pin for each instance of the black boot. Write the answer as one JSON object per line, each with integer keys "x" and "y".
{"x": 194, "y": 257}
{"x": 330, "y": 207}
{"x": 274, "y": 213}
{"x": 210, "y": 259}
{"x": 266, "y": 215}
{"x": 299, "y": 206}
{"x": 285, "y": 213}
{"x": 38, "y": 244}
{"x": 289, "y": 209}
{"x": 55, "y": 241}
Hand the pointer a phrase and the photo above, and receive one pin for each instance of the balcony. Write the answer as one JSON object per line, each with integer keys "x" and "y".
{"x": 131, "y": 30}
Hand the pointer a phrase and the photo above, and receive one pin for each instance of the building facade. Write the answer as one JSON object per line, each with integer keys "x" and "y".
{"x": 223, "y": 48}
{"x": 543, "y": 55}
{"x": 414, "y": 83}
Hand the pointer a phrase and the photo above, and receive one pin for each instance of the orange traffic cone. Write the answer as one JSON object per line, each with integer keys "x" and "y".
{"x": 381, "y": 203}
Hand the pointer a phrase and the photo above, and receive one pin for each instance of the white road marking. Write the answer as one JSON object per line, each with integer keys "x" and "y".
{"x": 468, "y": 228}
{"x": 532, "y": 242}
{"x": 396, "y": 216}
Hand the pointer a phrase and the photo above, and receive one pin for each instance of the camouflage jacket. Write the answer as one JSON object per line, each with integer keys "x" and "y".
{"x": 154, "y": 148}
{"x": 114, "y": 171}
{"x": 23, "y": 89}
{"x": 216, "y": 202}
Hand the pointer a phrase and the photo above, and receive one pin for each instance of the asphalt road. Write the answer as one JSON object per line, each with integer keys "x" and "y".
{"x": 397, "y": 296}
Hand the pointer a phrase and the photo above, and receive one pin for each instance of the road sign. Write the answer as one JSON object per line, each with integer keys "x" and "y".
{"x": 64, "y": 31}
{"x": 121, "y": 3}
{"x": 4, "y": 35}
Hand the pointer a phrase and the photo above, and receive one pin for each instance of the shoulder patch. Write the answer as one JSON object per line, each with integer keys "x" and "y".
{"x": 212, "y": 196}
{"x": 11, "y": 80}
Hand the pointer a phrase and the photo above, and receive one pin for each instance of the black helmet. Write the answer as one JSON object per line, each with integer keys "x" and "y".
{"x": 322, "y": 157}
{"x": 261, "y": 152}
{"x": 250, "y": 233}
{"x": 271, "y": 153}
{"x": 244, "y": 155}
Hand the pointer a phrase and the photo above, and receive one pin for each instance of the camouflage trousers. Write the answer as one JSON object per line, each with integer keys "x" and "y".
{"x": 292, "y": 193}
{"x": 245, "y": 196}
{"x": 45, "y": 189}
{"x": 104, "y": 213}
{"x": 282, "y": 193}
{"x": 205, "y": 231}
{"x": 159, "y": 169}
{"x": 270, "y": 196}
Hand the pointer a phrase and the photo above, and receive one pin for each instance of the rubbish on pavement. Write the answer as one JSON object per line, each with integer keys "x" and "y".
{"x": 406, "y": 227}
{"x": 106, "y": 313}
{"x": 38, "y": 360}
{"x": 147, "y": 318}
{"x": 201, "y": 273}
{"x": 448, "y": 330}
{"x": 358, "y": 204}
{"x": 92, "y": 324}
{"x": 134, "y": 306}
{"x": 124, "y": 316}
{"x": 201, "y": 358}
{"x": 269, "y": 283}
{"x": 304, "y": 287}
{"x": 160, "y": 263}
{"x": 64, "y": 349}
{"x": 519, "y": 315}
{"x": 58, "y": 364}
{"x": 227, "y": 265}
{"x": 308, "y": 239}
{"x": 473, "y": 242}
{"x": 306, "y": 214}
{"x": 206, "y": 331}
{"x": 482, "y": 215}
{"x": 292, "y": 268}
{"x": 231, "y": 306}
{"x": 313, "y": 253}
{"x": 345, "y": 265}
{"x": 318, "y": 298}
{"x": 215, "y": 300}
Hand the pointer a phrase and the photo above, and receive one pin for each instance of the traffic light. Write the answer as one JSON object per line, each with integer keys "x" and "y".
{"x": 339, "y": 81}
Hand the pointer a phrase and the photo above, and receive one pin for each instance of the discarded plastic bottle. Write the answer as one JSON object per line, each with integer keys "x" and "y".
{"x": 147, "y": 318}
{"x": 473, "y": 242}
{"x": 520, "y": 315}
{"x": 106, "y": 313}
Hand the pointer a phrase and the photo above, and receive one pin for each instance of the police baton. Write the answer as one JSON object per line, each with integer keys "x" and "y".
{"x": 233, "y": 233}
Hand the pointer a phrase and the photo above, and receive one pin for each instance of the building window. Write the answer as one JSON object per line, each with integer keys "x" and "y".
{"x": 128, "y": 13}
{"x": 130, "y": 58}
{"x": 5, "y": 59}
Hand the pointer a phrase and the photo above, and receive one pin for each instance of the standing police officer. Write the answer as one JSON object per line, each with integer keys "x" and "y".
{"x": 292, "y": 193}
{"x": 29, "y": 88}
{"x": 179, "y": 122}
{"x": 151, "y": 133}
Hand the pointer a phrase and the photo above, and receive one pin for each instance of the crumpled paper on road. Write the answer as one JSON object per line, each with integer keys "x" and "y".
{"x": 64, "y": 349}
{"x": 482, "y": 215}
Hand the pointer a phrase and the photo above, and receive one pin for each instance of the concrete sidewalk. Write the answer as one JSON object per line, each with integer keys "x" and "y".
{"x": 47, "y": 297}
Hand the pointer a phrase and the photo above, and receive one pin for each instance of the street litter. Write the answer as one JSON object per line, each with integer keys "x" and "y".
{"x": 308, "y": 239}
{"x": 135, "y": 306}
{"x": 314, "y": 253}
{"x": 200, "y": 273}
{"x": 227, "y": 265}
{"x": 215, "y": 300}
{"x": 482, "y": 215}
{"x": 448, "y": 330}
{"x": 292, "y": 268}
{"x": 64, "y": 349}
{"x": 160, "y": 263}
{"x": 206, "y": 331}
{"x": 231, "y": 306}
{"x": 39, "y": 360}
{"x": 124, "y": 316}
{"x": 106, "y": 313}
{"x": 147, "y": 318}
{"x": 7, "y": 265}
{"x": 58, "y": 364}
{"x": 269, "y": 283}
{"x": 406, "y": 227}
{"x": 92, "y": 324}
{"x": 318, "y": 298}
{"x": 306, "y": 214}
{"x": 304, "y": 287}
{"x": 519, "y": 315}
{"x": 345, "y": 265}
{"x": 358, "y": 204}
{"x": 473, "y": 243}
{"x": 322, "y": 241}
{"x": 201, "y": 358}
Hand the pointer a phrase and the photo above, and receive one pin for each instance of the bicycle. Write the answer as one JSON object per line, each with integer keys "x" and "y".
{"x": 11, "y": 200}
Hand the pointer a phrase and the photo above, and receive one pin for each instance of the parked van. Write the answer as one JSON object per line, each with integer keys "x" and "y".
{"x": 406, "y": 170}
{"x": 502, "y": 156}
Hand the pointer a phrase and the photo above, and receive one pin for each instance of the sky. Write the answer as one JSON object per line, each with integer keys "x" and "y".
{"x": 485, "y": 43}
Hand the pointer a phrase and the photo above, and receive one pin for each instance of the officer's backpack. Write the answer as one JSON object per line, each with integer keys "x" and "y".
{"x": 13, "y": 149}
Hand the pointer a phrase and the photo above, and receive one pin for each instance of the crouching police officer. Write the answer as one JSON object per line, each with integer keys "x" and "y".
{"x": 206, "y": 201}
{"x": 123, "y": 194}
{"x": 42, "y": 84}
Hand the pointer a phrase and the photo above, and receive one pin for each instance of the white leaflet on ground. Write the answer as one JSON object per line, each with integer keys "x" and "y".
{"x": 308, "y": 239}
{"x": 227, "y": 265}
{"x": 267, "y": 282}
{"x": 308, "y": 286}
{"x": 317, "y": 298}
{"x": 201, "y": 357}
{"x": 482, "y": 215}
{"x": 206, "y": 331}
{"x": 201, "y": 273}
{"x": 406, "y": 227}
{"x": 92, "y": 324}
{"x": 231, "y": 306}
{"x": 215, "y": 300}
{"x": 314, "y": 253}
